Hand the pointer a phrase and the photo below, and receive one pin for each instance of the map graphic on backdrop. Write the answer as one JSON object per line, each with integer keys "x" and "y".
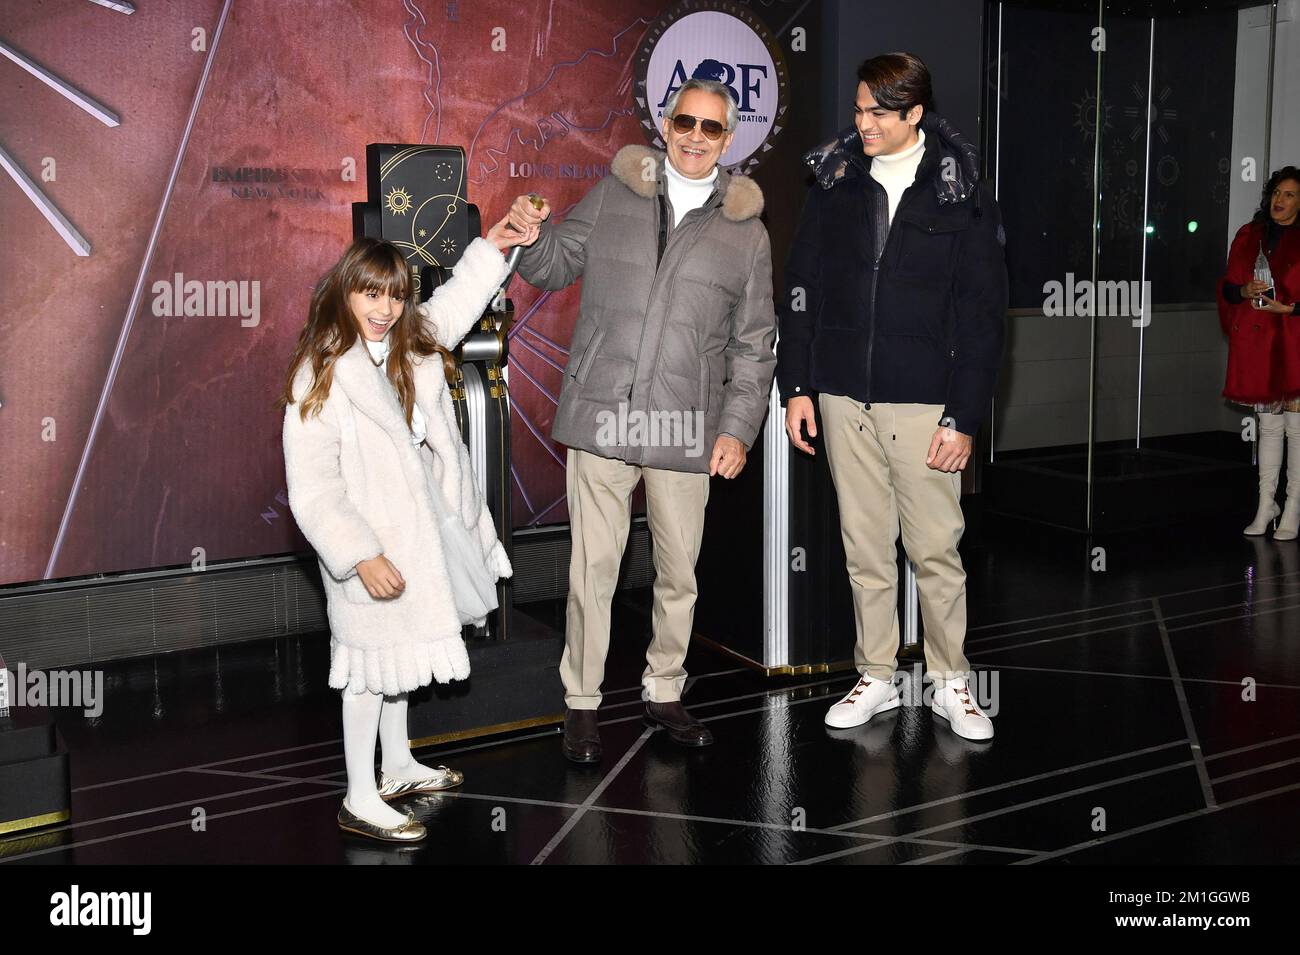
{"x": 136, "y": 437}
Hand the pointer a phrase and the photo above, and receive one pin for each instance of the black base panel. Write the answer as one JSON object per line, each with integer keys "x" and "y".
{"x": 511, "y": 682}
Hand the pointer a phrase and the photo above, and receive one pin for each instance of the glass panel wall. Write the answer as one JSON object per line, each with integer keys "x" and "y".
{"x": 1127, "y": 145}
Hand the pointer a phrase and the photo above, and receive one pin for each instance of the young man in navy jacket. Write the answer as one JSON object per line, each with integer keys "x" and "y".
{"x": 893, "y": 322}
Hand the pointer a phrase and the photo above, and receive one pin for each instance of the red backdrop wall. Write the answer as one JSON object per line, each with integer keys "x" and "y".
{"x": 187, "y": 450}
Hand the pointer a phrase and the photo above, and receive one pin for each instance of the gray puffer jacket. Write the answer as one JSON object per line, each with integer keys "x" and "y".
{"x": 665, "y": 359}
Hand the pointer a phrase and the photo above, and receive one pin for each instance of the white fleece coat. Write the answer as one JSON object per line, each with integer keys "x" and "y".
{"x": 358, "y": 488}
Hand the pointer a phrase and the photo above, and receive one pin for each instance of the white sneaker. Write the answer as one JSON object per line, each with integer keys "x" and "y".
{"x": 954, "y": 704}
{"x": 864, "y": 701}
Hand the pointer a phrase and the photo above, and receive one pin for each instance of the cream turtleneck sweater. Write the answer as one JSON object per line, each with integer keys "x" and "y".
{"x": 898, "y": 171}
{"x": 687, "y": 194}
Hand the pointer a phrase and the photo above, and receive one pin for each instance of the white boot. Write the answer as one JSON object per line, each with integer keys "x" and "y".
{"x": 1270, "y": 467}
{"x": 1287, "y": 527}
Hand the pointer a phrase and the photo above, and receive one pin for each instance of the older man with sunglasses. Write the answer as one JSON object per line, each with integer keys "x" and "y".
{"x": 671, "y": 358}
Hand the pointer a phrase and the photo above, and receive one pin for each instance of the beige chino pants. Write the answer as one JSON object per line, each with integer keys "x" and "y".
{"x": 600, "y": 509}
{"x": 883, "y": 486}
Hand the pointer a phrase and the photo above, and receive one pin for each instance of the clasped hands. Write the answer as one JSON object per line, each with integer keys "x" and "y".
{"x": 521, "y": 224}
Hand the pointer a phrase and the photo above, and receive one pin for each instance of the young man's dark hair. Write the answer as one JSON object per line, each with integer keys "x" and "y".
{"x": 898, "y": 81}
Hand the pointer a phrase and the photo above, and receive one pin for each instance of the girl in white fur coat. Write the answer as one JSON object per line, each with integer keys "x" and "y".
{"x": 373, "y": 458}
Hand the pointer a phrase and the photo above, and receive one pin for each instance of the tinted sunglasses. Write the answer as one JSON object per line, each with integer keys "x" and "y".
{"x": 711, "y": 128}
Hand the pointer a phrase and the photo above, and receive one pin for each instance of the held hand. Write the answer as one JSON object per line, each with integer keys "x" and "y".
{"x": 728, "y": 456}
{"x": 949, "y": 450}
{"x": 504, "y": 237}
{"x": 526, "y": 211}
{"x": 797, "y": 411}
{"x": 1273, "y": 305}
{"x": 383, "y": 581}
{"x": 1252, "y": 288}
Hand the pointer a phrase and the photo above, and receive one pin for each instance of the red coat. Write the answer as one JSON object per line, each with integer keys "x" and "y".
{"x": 1263, "y": 347}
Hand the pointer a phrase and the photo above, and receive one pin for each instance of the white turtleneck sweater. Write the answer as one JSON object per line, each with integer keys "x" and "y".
{"x": 687, "y": 194}
{"x": 379, "y": 354}
{"x": 898, "y": 171}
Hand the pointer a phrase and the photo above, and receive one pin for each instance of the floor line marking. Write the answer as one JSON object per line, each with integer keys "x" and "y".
{"x": 1010, "y": 784}
{"x": 576, "y": 816}
{"x": 1256, "y": 769}
{"x": 170, "y": 825}
{"x": 1091, "y": 633}
{"x": 1188, "y": 724}
{"x": 1015, "y": 807}
{"x": 925, "y": 860}
{"x": 1130, "y": 676}
{"x": 554, "y": 731}
{"x": 1057, "y": 853}
{"x": 882, "y": 840}
{"x": 1125, "y": 603}
{"x": 1130, "y": 613}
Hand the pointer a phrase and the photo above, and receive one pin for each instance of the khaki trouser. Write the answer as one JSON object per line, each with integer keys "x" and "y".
{"x": 882, "y": 484}
{"x": 600, "y": 509}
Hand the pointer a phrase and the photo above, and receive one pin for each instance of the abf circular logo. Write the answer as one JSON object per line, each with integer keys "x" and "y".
{"x": 723, "y": 41}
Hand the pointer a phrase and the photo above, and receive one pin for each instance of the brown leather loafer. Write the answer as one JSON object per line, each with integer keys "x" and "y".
{"x": 581, "y": 736}
{"x": 683, "y": 729}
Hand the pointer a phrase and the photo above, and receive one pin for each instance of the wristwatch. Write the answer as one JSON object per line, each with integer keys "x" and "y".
{"x": 947, "y": 421}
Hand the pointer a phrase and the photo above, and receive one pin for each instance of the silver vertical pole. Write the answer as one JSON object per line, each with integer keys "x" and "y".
{"x": 911, "y": 605}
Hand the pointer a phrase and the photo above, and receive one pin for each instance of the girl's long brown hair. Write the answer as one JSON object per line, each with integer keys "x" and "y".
{"x": 369, "y": 264}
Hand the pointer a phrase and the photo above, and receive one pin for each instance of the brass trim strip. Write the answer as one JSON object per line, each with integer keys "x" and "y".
{"x": 784, "y": 670}
{"x": 487, "y": 730}
{"x": 31, "y": 822}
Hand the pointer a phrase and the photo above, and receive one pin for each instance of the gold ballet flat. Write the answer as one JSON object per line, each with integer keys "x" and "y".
{"x": 443, "y": 778}
{"x": 408, "y": 831}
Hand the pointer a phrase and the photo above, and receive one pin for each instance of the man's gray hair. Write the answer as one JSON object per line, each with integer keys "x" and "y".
{"x": 706, "y": 86}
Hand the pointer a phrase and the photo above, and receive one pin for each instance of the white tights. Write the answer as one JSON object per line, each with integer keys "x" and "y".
{"x": 367, "y": 716}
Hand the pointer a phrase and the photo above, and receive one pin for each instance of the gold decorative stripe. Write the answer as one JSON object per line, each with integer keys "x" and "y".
{"x": 399, "y": 157}
{"x": 487, "y": 730}
{"x": 747, "y": 661}
{"x": 31, "y": 822}
{"x": 784, "y": 670}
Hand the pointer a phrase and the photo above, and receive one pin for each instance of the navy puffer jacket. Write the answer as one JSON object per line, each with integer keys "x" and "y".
{"x": 908, "y": 312}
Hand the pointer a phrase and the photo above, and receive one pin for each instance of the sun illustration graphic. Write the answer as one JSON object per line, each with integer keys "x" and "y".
{"x": 1087, "y": 116}
{"x": 398, "y": 201}
{"x": 448, "y": 246}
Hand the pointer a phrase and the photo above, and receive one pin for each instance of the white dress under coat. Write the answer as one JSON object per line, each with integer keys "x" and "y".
{"x": 359, "y": 487}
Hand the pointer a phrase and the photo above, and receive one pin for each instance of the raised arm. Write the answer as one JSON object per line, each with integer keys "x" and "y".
{"x": 455, "y": 306}
{"x": 559, "y": 255}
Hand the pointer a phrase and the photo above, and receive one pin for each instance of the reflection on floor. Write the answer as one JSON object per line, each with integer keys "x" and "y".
{"x": 1145, "y": 713}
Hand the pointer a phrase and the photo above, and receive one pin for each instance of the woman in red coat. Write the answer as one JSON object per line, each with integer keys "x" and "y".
{"x": 1263, "y": 332}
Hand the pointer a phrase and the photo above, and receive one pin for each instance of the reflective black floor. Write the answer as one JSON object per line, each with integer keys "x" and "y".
{"x": 1145, "y": 713}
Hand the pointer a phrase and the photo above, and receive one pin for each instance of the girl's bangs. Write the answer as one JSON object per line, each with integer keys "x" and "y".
{"x": 379, "y": 269}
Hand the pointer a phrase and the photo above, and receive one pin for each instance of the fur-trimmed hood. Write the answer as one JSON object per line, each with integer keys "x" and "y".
{"x": 842, "y": 156}
{"x": 741, "y": 197}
